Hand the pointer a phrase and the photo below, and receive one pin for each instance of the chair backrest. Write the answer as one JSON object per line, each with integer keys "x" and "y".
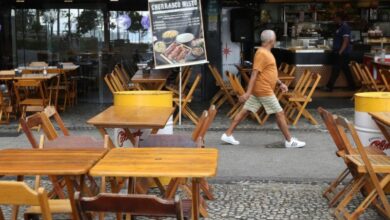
{"x": 29, "y": 123}
{"x": 38, "y": 64}
{"x": 283, "y": 67}
{"x": 116, "y": 82}
{"x": 122, "y": 73}
{"x": 26, "y": 85}
{"x": 236, "y": 84}
{"x": 110, "y": 85}
{"x": 330, "y": 123}
{"x": 353, "y": 65}
{"x": 369, "y": 78}
{"x": 51, "y": 112}
{"x": 345, "y": 124}
{"x": 212, "y": 113}
{"x": 308, "y": 85}
{"x": 385, "y": 76}
{"x": 198, "y": 128}
{"x": 18, "y": 193}
{"x": 245, "y": 73}
{"x": 136, "y": 205}
{"x": 291, "y": 70}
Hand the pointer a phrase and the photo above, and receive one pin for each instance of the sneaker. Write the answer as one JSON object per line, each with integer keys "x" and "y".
{"x": 229, "y": 139}
{"x": 294, "y": 143}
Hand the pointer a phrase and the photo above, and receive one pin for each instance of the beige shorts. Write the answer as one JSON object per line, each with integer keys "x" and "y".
{"x": 270, "y": 104}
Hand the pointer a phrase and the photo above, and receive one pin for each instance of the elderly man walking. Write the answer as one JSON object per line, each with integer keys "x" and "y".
{"x": 260, "y": 92}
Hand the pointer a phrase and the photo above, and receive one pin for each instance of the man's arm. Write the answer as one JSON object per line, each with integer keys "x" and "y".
{"x": 344, "y": 45}
{"x": 251, "y": 85}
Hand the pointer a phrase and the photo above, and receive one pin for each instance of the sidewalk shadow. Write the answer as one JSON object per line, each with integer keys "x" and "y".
{"x": 278, "y": 144}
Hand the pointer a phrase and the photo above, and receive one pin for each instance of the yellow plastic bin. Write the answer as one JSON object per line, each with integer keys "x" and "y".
{"x": 366, "y": 128}
{"x": 144, "y": 98}
{"x": 147, "y": 98}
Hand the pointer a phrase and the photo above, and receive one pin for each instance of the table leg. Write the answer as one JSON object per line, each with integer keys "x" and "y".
{"x": 15, "y": 208}
{"x": 103, "y": 132}
{"x": 195, "y": 198}
{"x": 70, "y": 188}
{"x": 130, "y": 136}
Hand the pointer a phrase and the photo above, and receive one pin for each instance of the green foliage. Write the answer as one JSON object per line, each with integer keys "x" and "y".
{"x": 87, "y": 21}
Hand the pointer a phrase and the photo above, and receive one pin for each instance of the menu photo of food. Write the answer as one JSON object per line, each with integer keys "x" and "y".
{"x": 177, "y": 48}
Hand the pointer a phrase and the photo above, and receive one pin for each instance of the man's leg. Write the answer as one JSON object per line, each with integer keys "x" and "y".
{"x": 347, "y": 72}
{"x": 282, "y": 124}
{"x": 239, "y": 117}
{"x": 335, "y": 72}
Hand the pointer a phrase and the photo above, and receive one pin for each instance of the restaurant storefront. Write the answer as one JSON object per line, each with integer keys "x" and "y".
{"x": 98, "y": 35}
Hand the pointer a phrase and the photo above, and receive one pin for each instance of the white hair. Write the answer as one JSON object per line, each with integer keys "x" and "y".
{"x": 267, "y": 35}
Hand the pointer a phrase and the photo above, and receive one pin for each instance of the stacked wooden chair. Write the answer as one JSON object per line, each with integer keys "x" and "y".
{"x": 6, "y": 109}
{"x": 186, "y": 76}
{"x": 297, "y": 100}
{"x": 245, "y": 73}
{"x": 118, "y": 80}
{"x": 363, "y": 74}
{"x": 385, "y": 76}
{"x": 185, "y": 101}
{"x": 225, "y": 90}
{"x": 336, "y": 190}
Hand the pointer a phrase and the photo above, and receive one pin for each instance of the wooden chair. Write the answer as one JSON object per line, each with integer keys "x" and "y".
{"x": 30, "y": 96}
{"x": 336, "y": 189}
{"x": 245, "y": 73}
{"x": 18, "y": 193}
{"x": 110, "y": 85}
{"x": 124, "y": 79}
{"x": 385, "y": 76}
{"x": 136, "y": 205}
{"x": 300, "y": 97}
{"x": 5, "y": 109}
{"x": 283, "y": 67}
{"x": 116, "y": 82}
{"x": 371, "y": 83}
{"x": 186, "y": 75}
{"x": 38, "y": 64}
{"x": 186, "y": 99}
{"x": 225, "y": 90}
{"x": 353, "y": 68}
{"x": 371, "y": 167}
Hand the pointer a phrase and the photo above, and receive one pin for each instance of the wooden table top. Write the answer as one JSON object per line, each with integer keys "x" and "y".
{"x": 383, "y": 117}
{"x": 158, "y": 162}
{"x": 10, "y": 75}
{"x": 154, "y": 76}
{"x": 48, "y": 161}
{"x": 132, "y": 117}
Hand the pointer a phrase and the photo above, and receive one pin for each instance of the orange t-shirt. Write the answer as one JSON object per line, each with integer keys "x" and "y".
{"x": 267, "y": 77}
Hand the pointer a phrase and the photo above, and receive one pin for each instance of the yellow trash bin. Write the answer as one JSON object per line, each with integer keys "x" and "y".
{"x": 366, "y": 128}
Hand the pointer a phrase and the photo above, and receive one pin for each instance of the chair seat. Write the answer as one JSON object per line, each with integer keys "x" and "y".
{"x": 297, "y": 98}
{"x": 370, "y": 151}
{"x": 32, "y": 102}
{"x": 73, "y": 142}
{"x": 380, "y": 163}
{"x": 165, "y": 140}
{"x": 56, "y": 206}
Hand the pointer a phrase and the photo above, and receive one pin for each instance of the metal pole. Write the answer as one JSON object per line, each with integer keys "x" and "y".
{"x": 180, "y": 92}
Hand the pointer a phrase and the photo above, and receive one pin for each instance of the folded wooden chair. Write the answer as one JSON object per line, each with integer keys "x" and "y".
{"x": 109, "y": 83}
{"x": 353, "y": 68}
{"x": 5, "y": 109}
{"x": 385, "y": 76}
{"x": 371, "y": 167}
{"x": 225, "y": 90}
{"x": 186, "y": 99}
{"x": 136, "y": 205}
{"x": 60, "y": 88}
{"x": 18, "y": 193}
{"x": 124, "y": 79}
{"x": 186, "y": 75}
{"x": 336, "y": 189}
{"x": 300, "y": 97}
{"x": 371, "y": 83}
{"x": 283, "y": 67}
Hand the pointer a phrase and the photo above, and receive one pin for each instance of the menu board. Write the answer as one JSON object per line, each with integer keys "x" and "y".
{"x": 178, "y": 38}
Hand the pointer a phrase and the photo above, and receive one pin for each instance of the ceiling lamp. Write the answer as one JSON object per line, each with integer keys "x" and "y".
{"x": 20, "y": 1}
{"x": 68, "y": 1}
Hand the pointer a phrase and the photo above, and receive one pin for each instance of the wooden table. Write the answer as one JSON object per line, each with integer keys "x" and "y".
{"x": 194, "y": 163}
{"x": 40, "y": 68}
{"x": 382, "y": 119}
{"x": 52, "y": 162}
{"x": 10, "y": 75}
{"x": 131, "y": 117}
{"x": 155, "y": 80}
